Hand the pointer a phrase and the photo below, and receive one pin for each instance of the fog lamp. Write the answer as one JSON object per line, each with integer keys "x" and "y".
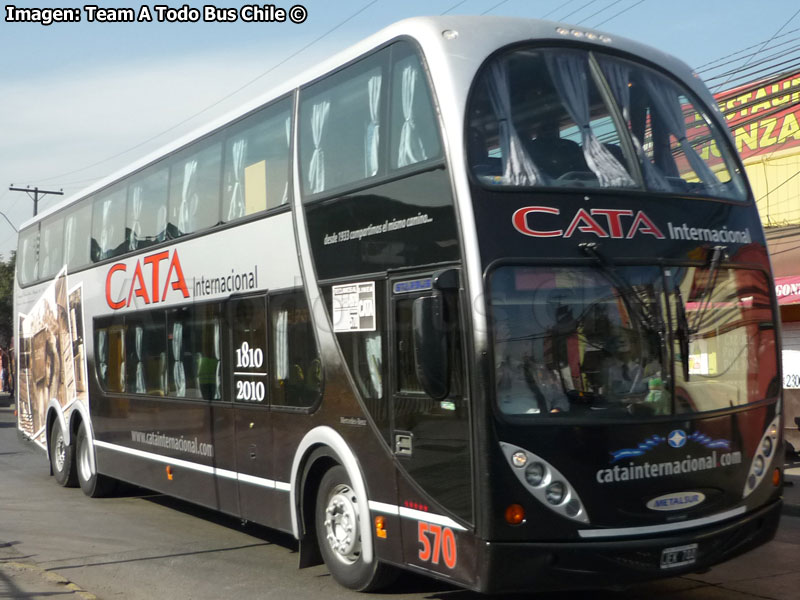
{"x": 766, "y": 446}
{"x": 519, "y": 459}
{"x": 555, "y": 493}
{"x": 534, "y": 474}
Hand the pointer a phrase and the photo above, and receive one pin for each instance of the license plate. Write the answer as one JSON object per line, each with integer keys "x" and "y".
{"x": 678, "y": 556}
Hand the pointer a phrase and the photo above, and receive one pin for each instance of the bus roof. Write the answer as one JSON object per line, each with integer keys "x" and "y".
{"x": 459, "y": 57}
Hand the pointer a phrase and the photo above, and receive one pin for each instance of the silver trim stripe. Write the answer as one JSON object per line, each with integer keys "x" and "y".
{"x": 416, "y": 515}
{"x": 243, "y": 477}
{"x": 625, "y": 531}
{"x": 282, "y": 486}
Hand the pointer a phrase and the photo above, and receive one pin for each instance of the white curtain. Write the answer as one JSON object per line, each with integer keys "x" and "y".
{"x": 316, "y": 168}
{"x": 569, "y": 72}
{"x": 218, "y": 356}
{"x": 518, "y": 169}
{"x": 44, "y": 253}
{"x": 375, "y": 362}
{"x": 666, "y": 100}
{"x": 281, "y": 346}
{"x": 236, "y": 209}
{"x": 189, "y": 198}
{"x": 372, "y": 139}
{"x": 619, "y": 80}
{"x": 141, "y": 386}
{"x": 178, "y": 371}
{"x": 411, "y": 149}
{"x": 136, "y": 215}
{"x": 162, "y": 223}
{"x": 69, "y": 240}
{"x": 288, "y": 127}
{"x": 107, "y": 234}
{"x": 102, "y": 355}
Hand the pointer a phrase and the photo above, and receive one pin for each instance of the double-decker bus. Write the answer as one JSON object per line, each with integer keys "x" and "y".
{"x": 482, "y": 298}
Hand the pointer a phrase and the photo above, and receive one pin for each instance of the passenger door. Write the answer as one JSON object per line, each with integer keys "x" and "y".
{"x": 250, "y": 392}
{"x": 431, "y": 436}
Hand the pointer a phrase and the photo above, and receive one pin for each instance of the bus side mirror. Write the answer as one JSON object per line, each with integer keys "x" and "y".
{"x": 430, "y": 345}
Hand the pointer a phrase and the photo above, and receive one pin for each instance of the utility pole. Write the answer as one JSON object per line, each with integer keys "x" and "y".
{"x": 34, "y": 194}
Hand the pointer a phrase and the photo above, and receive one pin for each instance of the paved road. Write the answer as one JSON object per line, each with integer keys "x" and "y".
{"x": 55, "y": 542}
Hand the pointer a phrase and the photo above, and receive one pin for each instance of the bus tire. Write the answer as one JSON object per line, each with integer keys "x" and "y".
{"x": 92, "y": 483}
{"x": 337, "y": 527}
{"x": 62, "y": 457}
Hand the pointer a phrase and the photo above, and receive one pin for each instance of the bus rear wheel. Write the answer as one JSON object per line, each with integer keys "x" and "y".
{"x": 92, "y": 483}
{"x": 62, "y": 457}
{"x": 337, "y": 521}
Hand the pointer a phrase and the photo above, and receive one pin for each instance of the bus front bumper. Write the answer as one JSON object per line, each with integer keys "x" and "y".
{"x": 521, "y": 567}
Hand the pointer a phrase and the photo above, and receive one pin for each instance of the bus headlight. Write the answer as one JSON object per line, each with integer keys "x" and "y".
{"x": 535, "y": 473}
{"x": 766, "y": 446}
{"x": 555, "y": 493}
{"x": 765, "y": 453}
{"x": 545, "y": 483}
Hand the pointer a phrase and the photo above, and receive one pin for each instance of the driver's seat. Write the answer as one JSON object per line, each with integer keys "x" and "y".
{"x": 556, "y": 156}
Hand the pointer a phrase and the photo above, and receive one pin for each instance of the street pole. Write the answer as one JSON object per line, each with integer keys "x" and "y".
{"x": 36, "y": 194}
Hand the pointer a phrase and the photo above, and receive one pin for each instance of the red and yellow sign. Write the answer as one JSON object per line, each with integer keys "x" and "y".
{"x": 764, "y": 116}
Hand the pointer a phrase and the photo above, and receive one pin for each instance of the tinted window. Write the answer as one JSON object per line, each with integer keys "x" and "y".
{"x": 108, "y": 224}
{"x": 414, "y": 125}
{"x": 51, "y": 246}
{"x": 194, "y": 338}
{"x": 109, "y": 344}
{"x": 147, "y": 209}
{"x": 538, "y": 117}
{"x": 27, "y": 255}
{"x": 194, "y": 192}
{"x": 296, "y": 368}
{"x": 340, "y": 126}
{"x": 77, "y": 235}
{"x": 256, "y": 159}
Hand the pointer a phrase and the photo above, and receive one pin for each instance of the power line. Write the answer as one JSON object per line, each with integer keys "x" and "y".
{"x": 488, "y": 10}
{"x": 719, "y": 61}
{"x": 618, "y": 14}
{"x": 236, "y": 91}
{"x": 557, "y": 8}
{"x": 716, "y": 60}
{"x": 567, "y": 16}
{"x": 777, "y": 187}
{"x": 602, "y": 10}
{"x": 772, "y": 38}
{"x": 455, "y": 6}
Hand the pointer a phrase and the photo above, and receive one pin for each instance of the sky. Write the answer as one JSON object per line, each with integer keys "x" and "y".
{"x": 79, "y": 101}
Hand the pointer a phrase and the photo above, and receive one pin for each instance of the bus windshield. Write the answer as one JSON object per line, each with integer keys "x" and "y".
{"x": 571, "y": 118}
{"x": 637, "y": 341}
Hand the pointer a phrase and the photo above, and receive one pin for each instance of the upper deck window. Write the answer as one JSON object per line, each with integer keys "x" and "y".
{"x": 368, "y": 120}
{"x": 569, "y": 118}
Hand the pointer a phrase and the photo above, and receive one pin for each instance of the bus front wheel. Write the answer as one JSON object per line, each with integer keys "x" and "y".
{"x": 337, "y": 521}
{"x": 92, "y": 483}
{"x": 62, "y": 457}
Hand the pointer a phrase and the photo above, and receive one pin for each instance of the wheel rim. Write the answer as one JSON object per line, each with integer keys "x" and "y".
{"x": 84, "y": 465}
{"x": 341, "y": 524}
{"x": 60, "y": 452}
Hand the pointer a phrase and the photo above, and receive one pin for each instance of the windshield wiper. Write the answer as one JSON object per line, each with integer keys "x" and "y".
{"x": 683, "y": 332}
{"x": 639, "y": 308}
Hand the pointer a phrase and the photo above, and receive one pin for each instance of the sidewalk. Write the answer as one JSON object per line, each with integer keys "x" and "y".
{"x": 791, "y": 494}
{"x": 21, "y": 580}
